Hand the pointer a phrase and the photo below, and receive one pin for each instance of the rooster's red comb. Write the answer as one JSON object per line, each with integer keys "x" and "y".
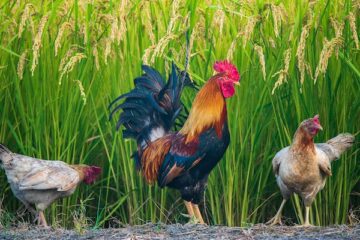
{"x": 230, "y": 69}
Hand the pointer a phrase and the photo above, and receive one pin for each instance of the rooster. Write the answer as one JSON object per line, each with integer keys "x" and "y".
{"x": 38, "y": 183}
{"x": 181, "y": 160}
{"x": 303, "y": 167}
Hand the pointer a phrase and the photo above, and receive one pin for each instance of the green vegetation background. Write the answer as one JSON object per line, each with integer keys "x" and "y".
{"x": 62, "y": 62}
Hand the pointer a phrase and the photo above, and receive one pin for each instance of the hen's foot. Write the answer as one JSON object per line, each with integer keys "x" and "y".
{"x": 274, "y": 221}
{"x": 43, "y": 220}
{"x": 305, "y": 225}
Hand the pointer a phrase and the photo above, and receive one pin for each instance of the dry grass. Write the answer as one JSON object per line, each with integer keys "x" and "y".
{"x": 188, "y": 231}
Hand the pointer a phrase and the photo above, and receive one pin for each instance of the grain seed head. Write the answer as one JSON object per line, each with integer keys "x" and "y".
{"x": 161, "y": 45}
{"x": 230, "y": 53}
{"x": 65, "y": 59}
{"x": 300, "y": 53}
{"x": 82, "y": 90}
{"x": 284, "y": 72}
{"x": 249, "y": 28}
{"x": 218, "y": 20}
{"x": 96, "y": 57}
{"x": 37, "y": 42}
{"x": 107, "y": 50}
{"x": 147, "y": 53}
{"x": 21, "y": 65}
{"x": 71, "y": 64}
{"x": 24, "y": 17}
{"x": 260, "y": 52}
{"x": 63, "y": 27}
{"x": 327, "y": 51}
{"x": 278, "y": 15}
{"x": 352, "y": 22}
{"x": 147, "y": 22}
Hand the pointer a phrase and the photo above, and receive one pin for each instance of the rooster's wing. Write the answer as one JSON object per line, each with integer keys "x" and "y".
{"x": 181, "y": 158}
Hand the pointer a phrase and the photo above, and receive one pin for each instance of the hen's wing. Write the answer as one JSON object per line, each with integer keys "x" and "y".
{"x": 336, "y": 146}
{"x": 46, "y": 175}
{"x": 331, "y": 151}
{"x": 279, "y": 157}
{"x": 323, "y": 161}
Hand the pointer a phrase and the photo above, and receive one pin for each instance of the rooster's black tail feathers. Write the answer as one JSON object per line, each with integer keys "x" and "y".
{"x": 151, "y": 108}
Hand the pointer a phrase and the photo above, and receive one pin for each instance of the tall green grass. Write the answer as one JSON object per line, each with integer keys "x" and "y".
{"x": 41, "y": 118}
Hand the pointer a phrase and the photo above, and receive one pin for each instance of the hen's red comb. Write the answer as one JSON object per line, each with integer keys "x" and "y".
{"x": 316, "y": 119}
{"x": 230, "y": 69}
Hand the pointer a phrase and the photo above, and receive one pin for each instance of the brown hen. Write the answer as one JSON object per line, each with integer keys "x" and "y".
{"x": 38, "y": 183}
{"x": 303, "y": 167}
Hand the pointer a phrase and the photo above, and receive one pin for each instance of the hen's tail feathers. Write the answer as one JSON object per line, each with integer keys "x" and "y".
{"x": 5, "y": 154}
{"x": 337, "y": 145}
{"x": 4, "y": 149}
{"x": 149, "y": 110}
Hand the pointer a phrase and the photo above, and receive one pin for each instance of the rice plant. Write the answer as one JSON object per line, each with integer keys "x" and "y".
{"x": 62, "y": 62}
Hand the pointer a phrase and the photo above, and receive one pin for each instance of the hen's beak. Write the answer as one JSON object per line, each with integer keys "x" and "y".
{"x": 320, "y": 127}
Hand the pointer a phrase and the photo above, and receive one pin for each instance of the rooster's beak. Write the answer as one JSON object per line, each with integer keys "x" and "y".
{"x": 237, "y": 83}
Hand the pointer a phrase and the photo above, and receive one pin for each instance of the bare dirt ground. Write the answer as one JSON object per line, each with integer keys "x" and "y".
{"x": 187, "y": 231}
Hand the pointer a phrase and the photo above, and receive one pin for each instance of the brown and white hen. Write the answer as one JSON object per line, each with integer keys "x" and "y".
{"x": 38, "y": 183}
{"x": 303, "y": 167}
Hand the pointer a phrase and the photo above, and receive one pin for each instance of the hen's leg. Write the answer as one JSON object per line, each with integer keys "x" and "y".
{"x": 198, "y": 213}
{"x": 307, "y": 216}
{"x": 189, "y": 208}
{"x": 32, "y": 210}
{"x": 42, "y": 219}
{"x": 277, "y": 218}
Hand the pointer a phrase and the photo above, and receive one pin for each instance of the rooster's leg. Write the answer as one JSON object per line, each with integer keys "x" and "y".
{"x": 42, "y": 219}
{"x": 189, "y": 208}
{"x": 277, "y": 219}
{"x": 198, "y": 213}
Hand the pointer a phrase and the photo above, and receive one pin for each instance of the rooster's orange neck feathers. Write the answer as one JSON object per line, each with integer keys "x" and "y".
{"x": 208, "y": 110}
